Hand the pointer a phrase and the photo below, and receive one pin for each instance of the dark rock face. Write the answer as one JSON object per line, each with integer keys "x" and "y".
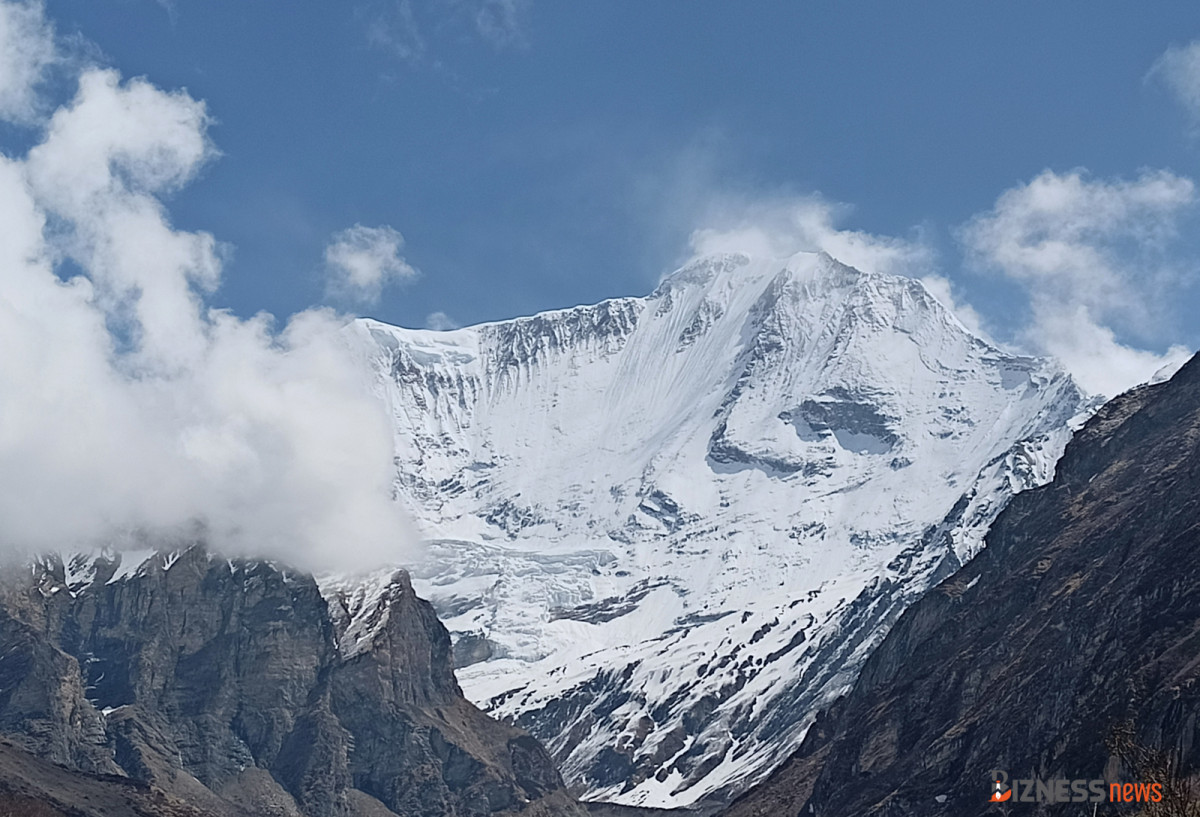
{"x": 42, "y": 702}
{"x": 1081, "y": 615}
{"x": 222, "y": 683}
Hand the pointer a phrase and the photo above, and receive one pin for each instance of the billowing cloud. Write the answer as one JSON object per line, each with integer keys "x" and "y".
{"x": 693, "y": 197}
{"x": 104, "y": 159}
{"x": 362, "y": 260}
{"x": 779, "y": 227}
{"x": 1179, "y": 70}
{"x": 1093, "y": 257}
{"x": 129, "y": 410}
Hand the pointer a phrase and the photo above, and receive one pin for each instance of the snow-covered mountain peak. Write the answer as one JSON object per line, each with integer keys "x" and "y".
{"x": 667, "y": 529}
{"x": 721, "y": 270}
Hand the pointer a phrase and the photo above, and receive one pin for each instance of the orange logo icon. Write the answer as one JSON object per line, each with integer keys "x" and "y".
{"x": 1001, "y": 791}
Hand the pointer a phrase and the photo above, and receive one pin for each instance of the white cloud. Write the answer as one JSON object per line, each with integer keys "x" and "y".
{"x": 104, "y": 158}
{"x": 694, "y": 198}
{"x": 127, "y": 407}
{"x": 780, "y": 227}
{"x": 1179, "y": 70}
{"x": 440, "y": 322}
{"x": 26, "y": 52}
{"x": 1092, "y": 255}
{"x": 360, "y": 261}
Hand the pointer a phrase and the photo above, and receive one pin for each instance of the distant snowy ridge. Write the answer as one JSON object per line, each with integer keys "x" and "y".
{"x": 666, "y": 530}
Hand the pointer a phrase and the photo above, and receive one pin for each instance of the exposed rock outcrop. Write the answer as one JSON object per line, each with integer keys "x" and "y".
{"x": 222, "y": 683}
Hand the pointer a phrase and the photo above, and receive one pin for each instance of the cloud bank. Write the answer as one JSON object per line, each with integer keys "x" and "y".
{"x": 129, "y": 410}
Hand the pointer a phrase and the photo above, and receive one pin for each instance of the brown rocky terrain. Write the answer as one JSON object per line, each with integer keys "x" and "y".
{"x": 32, "y": 787}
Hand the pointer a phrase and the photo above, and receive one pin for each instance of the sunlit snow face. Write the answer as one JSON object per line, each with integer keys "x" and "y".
{"x": 743, "y": 475}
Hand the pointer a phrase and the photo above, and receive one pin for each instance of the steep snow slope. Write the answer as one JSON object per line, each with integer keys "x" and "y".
{"x": 667, "y": 529}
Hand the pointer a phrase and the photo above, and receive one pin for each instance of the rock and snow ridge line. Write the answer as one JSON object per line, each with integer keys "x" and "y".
{"x": 667, "y": 529}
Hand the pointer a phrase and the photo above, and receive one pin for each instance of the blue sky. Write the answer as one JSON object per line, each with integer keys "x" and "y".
{"x": 535, "y": 155}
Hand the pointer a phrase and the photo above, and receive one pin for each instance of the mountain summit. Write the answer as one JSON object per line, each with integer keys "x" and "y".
{"x": 666, "y": 530}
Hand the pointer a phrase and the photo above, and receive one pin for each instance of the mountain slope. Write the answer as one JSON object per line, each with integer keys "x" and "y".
{"x": 224, "y": 683}
{"x": 667, "y": 530}
{"x": 33, "y": 787}
{"x": 1070, "y": 639}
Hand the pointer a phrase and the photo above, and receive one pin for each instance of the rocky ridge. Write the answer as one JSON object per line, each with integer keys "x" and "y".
{"x": 221, "y": 683}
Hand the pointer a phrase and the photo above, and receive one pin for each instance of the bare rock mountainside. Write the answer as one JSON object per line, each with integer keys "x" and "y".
{"x": 1066, "y": 649}
{"x": 187, "y": 684}
{"x": 666, "y": 531}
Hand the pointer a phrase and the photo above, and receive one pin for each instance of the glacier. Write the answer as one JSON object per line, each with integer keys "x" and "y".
{"x": 666, "y": 530}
